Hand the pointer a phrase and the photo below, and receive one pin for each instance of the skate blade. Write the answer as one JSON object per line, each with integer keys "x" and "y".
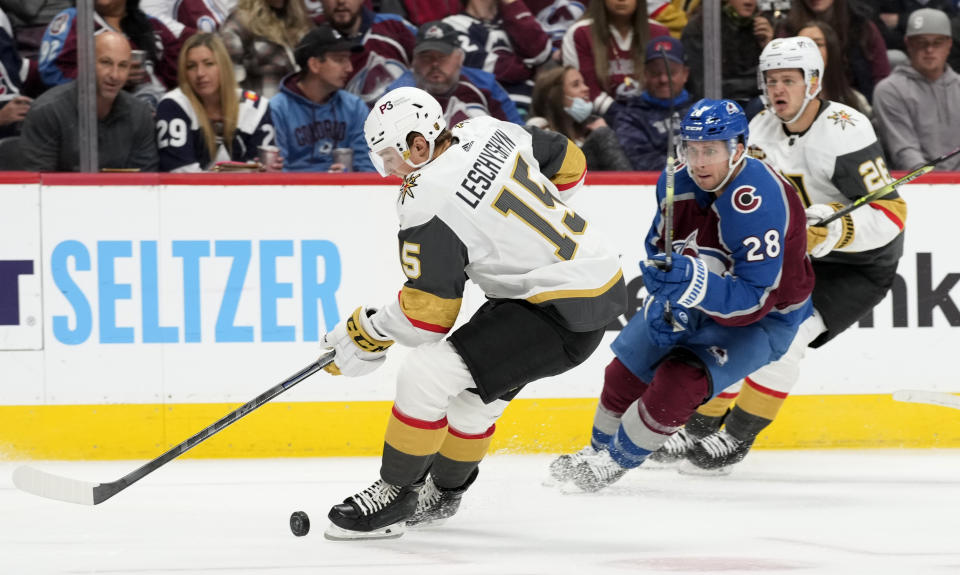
{"x": 426, "y": 524}
{"x": 335, "y": 533}
{"x": 687, "y": 468}
{"x": 654, "y": 464}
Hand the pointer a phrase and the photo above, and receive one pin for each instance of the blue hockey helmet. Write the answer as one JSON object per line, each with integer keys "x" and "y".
{"x": 715, "y": 120}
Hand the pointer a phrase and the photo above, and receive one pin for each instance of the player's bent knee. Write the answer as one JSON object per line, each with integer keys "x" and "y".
{"x": 430, "y": 376}
{"x": 468, "y": 414}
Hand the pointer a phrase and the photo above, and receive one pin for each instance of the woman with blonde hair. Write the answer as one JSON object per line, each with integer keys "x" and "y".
{"x": 260, "y": 36}
{"x": 560, "y": 104}
{"x": 208, "y": 118}
{"x": 607, "y": 46}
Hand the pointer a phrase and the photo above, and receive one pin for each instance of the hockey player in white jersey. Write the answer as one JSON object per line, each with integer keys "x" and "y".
{"x": 484, "y": 201}
{"x": 831, "y": 154}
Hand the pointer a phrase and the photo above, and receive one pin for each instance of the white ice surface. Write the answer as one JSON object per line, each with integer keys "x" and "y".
{"x": 780, "y": 512}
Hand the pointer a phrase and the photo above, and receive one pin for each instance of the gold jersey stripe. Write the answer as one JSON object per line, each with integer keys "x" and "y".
{"x": 895, "y": 208}
{"x": 755, "y": 401}
{"x": 413, "y": 440}
{"x": 463, "y": 449}
{"x": 576, "y": 293}
{"x": 572, "y": 168}
{"x": 717, "y": 406}
{"x": 424, "y": 307}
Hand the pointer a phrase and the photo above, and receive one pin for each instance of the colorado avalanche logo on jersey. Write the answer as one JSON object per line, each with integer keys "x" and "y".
{"x": 59, "y": 24}
{"x": 842, "y": 118}
{"x": 746, "y": 200}
{"x": 719, "y": 354}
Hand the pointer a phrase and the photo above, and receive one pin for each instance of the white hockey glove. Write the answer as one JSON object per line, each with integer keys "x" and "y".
{"x": 821, "y": 240}
{"x": 360, "y": 349}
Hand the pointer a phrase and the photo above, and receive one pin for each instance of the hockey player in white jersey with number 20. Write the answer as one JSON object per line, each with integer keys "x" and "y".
{"x": 482, "y": 200}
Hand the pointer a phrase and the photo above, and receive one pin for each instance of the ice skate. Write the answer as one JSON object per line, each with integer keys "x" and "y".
{"x": 673, "y": 451}
{"x": 378, "y": 512}
{"x": 715, "y": 454}
{"x": 595, "y": 472}
{"x": 562, "y": 468}
{"x": 437, "y": 504}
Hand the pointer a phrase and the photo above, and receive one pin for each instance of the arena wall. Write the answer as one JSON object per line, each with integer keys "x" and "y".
{"x": 136, "y": 309}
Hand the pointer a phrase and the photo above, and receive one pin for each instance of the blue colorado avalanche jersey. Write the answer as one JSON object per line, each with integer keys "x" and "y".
{"x": 752, "y": 238}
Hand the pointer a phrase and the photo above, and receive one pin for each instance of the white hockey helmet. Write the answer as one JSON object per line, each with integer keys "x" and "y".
{"x": 787, "y": 53}
{"x": 393, "y": 117}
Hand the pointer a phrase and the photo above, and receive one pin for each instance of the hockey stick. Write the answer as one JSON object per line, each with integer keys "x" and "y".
{"x": 931, "y": 397}
{"x": 668, "y": 193}
{"x": 51, "y": 486}
{"x": 877, "y": 194}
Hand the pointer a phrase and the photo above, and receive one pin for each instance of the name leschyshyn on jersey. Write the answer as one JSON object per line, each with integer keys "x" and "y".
{"x": 484, "y": 171}
{"x": 837, "y": 160}
{"x": 485, "y": 210}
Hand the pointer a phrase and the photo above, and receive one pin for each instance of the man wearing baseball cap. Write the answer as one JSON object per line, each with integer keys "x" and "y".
{"x": 462, "y": 92}
{"x": 643, "y": 123}
{"x": 312, "y": 114}
{"x": 916, "y": 106}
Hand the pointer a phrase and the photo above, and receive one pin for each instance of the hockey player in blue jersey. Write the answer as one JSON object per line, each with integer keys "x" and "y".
{"x": 736, "y": 290}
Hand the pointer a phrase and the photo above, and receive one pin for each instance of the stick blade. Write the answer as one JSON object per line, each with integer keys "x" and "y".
{"x": 941, "y": 398}
{"x": 51, "y": 486}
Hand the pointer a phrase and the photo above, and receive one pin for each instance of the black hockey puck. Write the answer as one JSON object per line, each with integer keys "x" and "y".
{"x": 299, "y": 523}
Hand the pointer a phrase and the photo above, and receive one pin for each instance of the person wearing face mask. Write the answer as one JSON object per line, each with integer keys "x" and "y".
{"x": 560, "y": 104}
{"x": 643, "y": 124}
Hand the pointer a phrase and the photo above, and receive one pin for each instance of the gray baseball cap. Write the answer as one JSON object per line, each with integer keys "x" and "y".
{"x": 928, "y": 21}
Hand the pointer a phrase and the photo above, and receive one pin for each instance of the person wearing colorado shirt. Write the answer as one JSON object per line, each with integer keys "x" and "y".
{"x": 312, "y": 114}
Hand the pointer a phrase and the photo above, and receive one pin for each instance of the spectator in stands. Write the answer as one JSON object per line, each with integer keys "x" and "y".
{"x": 893, "y": 16}
{"x": 387, "y": 41}
{"x": 463, "y": 92}
{"x": 421, "y": 11}
{"x": 863, "y": 46}
{"x": 836, "y": 85}
{"x": 260, "y": 36}
{"x": 643, "y": 124}
{"x": 502, "y": 37}
{"x": 29, "y": 19}
{"x": 149, "y": 80}
{"x": 197, "y": 15}
{"x": 743, "y": 34}
{"x": 313, "y": 115}
{"x": 556, "y": 17}
{"x": 14, "y": 105}
{"x": 670, "y": 13}
{"x": 209, "y": 119}
{"x": 917, "y": 105}
{"x": 51, "y": 139}
{"x": 560, "y": 103}
{"x": 607, "y": 47}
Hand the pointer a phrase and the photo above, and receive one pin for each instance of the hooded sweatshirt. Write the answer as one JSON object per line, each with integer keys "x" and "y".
{"x": 307, "y": 132}
{"x": 919, "y": 120}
